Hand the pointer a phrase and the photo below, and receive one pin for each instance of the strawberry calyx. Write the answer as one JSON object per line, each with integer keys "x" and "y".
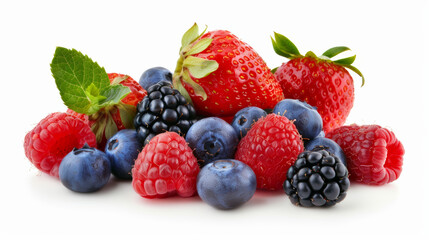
{"x": 104, "y": 124}
{"x": 189, "y": 67}
{"x": 285, "y": 47}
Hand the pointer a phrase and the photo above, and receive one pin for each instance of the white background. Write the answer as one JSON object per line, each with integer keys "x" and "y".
{"x": 128, "y": 37}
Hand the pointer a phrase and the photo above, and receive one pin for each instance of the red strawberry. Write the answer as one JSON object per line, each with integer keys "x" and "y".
{"x": 166, "y": 167}
{"x": 220, "y": 74}
{"x": 374, "y": 154}
{"x": 108, "y": 100}
{"x": 97, "y": 121}
{"x": 319, "y": 81}
{"x": 270, "y": 147}
{"x": 53, "y": 138}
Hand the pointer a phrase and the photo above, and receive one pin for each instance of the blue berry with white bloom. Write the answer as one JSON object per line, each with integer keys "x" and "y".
{"x": 154, "y": 75}
{"x": 226, "y": 183}
{"x": 307, "y": 120}
{"x": 85, "y": 170}
{"x": 122, "y": 150}
{"x": 245, "y": 118}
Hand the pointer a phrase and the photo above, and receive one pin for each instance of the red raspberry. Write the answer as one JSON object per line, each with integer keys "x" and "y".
{"x": 270, "y": 148}
{"x": 53, "y": 138}
{"x": 165, "y": 166}
{"x": 81, "y": 116}
{"x": 374, "y": 155}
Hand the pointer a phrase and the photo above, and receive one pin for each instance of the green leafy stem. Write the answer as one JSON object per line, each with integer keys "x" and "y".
{"x": 189, "y": 67}
{"x": 285, "y": 47}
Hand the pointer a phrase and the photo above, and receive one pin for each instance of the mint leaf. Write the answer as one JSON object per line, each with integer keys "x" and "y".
{"x": 93, "y": 93}
{"x": 113, "y": 95}
{"x": 74, "y": 72}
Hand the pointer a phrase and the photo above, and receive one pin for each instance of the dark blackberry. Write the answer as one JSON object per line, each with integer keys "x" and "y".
{"x": 317, "y": 179}
{"x": 163, "y": 109}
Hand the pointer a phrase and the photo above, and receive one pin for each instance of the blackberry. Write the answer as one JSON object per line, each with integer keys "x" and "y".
{"x": 163, "y": 109}
{"x": 318, "y": 178}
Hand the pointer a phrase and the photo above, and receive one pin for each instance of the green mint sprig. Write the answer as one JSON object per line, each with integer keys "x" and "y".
{"x": 84, "y": 86}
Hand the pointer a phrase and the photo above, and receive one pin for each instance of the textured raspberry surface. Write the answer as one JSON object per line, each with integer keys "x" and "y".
{"x": 374, "y": 155}
{"x": 270, "y": 148}
{"x": 81, "y": 116}
{"x": 165, "y": 167}
{"x": 53, "y": 138}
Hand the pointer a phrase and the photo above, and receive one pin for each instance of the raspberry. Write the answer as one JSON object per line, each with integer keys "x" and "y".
{"x": 270, "y": 148}
{"x": 53, "y": 138}
{"x": 165, "y": 167}
{"x": 374, "y": 155}
{"x": 81, "y": 116}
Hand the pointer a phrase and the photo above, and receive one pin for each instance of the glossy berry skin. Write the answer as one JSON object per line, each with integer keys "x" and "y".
{"x": 85, "y": 170}
{"x": 154, "y": 75}
{"x": 212, "y": 138}
{"x": 374, "y": 154}
{"x": 321, "y": 134}
{"x": 226, "y": 183}
{"x": 328, "y": 145}
{"x": 122, "y": 150}
{"x": 270, "y": 148}
{"x": 245, "y": 118}
{"x": 165, "y": 167}
{"x": 305, "y": 117}
{"x": 241, "y": 80}
{"x": 163, "y": 109}
{"x": 97, "y": 121}
{"x": 324, "y": 85}
{"x": 53, "y": 138}
{"x": 317, "y": 179}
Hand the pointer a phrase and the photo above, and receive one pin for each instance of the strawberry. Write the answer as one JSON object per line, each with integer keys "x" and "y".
{"x": 131, "y": 100}
{"x": 107, "y": 102}
{"x": 220, "y": 74}
{"x": 319, "y": 81}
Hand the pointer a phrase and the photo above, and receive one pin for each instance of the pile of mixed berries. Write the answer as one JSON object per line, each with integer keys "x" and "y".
{"x": 221, "y": 126}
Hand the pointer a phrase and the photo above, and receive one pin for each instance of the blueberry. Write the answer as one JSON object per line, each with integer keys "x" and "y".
{"x": 321, "y": 134}
{"x": 226, "y": 184}
{"x": 212, "y": 138}
{"x": 244, "y": 119}
{"x": 154, "y": 75}
{"x": 308, "y": 121}
{"x": 122, "y": 150}
{"x": 327, "y": 144}
{"x": 85, "y": 170}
